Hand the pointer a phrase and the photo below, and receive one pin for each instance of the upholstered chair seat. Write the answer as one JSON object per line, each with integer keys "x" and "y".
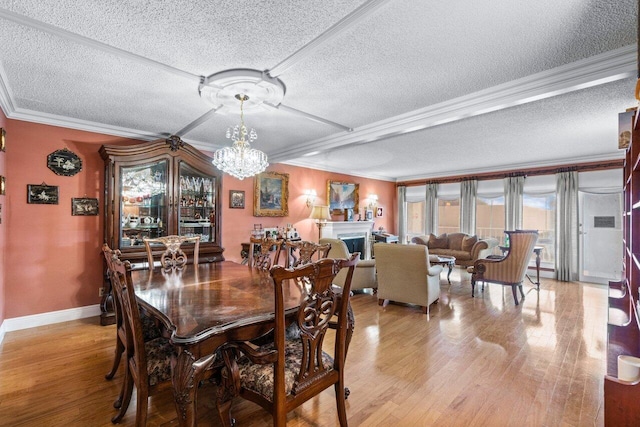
{"x": 259, "y": 378}
{"x": 159, "y": 351}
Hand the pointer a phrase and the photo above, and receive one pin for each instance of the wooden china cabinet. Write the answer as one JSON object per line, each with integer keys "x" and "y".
{"x": 159, "y": 188}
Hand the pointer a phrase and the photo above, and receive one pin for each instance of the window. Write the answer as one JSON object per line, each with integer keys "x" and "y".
{"x": 539, "y": 213}
{"x": 448, "y": 215}
{"x": 490, "y": 217}
{"x": 415, "y": 219}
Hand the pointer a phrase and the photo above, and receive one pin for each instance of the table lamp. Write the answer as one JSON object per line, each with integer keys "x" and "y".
{"x": 321, "y": 215}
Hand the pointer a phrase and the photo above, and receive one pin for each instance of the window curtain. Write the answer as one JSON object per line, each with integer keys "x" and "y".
{"x": 431, "y": 209}
{"x": 567, "y": 226}
{"x": 402, "y": 214}
{"x": 513, "y": 195}
{"x": 468, "y": 195}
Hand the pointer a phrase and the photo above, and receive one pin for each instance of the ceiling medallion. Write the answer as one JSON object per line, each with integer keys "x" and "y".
{"x": 220, "y": 89}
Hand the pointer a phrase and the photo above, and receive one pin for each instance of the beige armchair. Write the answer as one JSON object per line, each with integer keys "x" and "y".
{"x": 510, "y": 270}
{"x": 364, "y": 275}
{"x": 405, "y": 275}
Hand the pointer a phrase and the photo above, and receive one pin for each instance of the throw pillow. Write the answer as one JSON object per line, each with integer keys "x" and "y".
{"x": 440, "y": 242}
{"x": 468, "y": 242}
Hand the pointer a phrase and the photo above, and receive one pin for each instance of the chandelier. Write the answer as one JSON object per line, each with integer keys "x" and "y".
{"x": 240, "y": 160}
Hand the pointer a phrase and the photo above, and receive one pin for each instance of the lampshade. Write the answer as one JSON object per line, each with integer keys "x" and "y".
{"x": 320, "y": 213}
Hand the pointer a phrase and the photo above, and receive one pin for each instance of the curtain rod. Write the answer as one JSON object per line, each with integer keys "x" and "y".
{"x": 550, "y": 170}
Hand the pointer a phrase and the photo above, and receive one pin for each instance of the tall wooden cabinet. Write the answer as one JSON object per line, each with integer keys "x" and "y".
{"x": 157, "y": 189}
{"x": 152, "y": 190}
{"x": 622, "y": 398}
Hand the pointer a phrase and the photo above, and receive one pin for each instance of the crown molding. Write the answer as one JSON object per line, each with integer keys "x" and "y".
{"x": 85, "y": 125}
{"x": 600, "y": 69}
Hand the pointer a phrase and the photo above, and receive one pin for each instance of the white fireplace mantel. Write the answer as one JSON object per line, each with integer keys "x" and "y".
{"x": 341, "y": 229}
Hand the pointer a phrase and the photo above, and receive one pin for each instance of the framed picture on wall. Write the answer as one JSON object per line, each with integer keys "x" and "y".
{"x": 379, "y": 213}
{"x": 270, "y": 194}
{"x": 85, "y": 206}
{"x": 236, "y": 199}
{"x": 3, "y": 139}
{"x": 341, "y": 196}
{"x": 42, "y": 194}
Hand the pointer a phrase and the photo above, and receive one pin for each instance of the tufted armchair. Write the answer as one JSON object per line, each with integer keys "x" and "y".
{"x": 511, "y": 269}
{"x": 364, "y": 275}
{"x": 405, "y": 275}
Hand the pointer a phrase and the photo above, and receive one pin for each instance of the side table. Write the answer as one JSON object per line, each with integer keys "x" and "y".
{"x": 445, "y": 261}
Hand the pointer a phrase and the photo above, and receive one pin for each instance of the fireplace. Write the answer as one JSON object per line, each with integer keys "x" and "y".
{"x": 354, "y": 242}
{"x": 356, "y": 234}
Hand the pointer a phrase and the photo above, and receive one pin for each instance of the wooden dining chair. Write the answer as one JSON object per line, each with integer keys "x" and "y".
{"x": 173, "y": 255}
{"x": 283, "y": 374}
{"x": 264, "y": 252}
{"x": 149, "y": 328}
{"x": 148, "y": 363}
{"x": 301, "y": 252}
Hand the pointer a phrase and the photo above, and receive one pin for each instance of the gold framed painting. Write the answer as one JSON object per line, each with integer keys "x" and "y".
{"x": 341, "y": 196}
{"x": 3, "y": 139}
{"x": 271, "y": 194}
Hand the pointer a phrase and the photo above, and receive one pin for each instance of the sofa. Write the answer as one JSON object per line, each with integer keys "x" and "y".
{"x": 406, "y": 276}
{"x": 464, "y": 247}
{"x": 364, "y": 275}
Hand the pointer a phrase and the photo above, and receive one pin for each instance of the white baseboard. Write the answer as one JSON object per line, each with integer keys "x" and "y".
{"x": 35, "y": 320}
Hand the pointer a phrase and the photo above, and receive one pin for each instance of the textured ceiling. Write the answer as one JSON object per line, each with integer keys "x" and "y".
{"x": 390, "y": 89}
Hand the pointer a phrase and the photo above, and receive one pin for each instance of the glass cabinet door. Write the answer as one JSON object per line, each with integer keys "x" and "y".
{"x": 143, "y": 203}
{"x": 197, "y": 210}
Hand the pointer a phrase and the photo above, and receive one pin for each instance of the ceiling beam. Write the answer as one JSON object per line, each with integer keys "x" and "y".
{"x": 77, "y": 38}
{"x": 363, "y": 12}
{"x": 600, "y": 69}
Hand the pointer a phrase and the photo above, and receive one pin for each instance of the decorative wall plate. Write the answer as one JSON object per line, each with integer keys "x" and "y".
{"x": 64, "y": 162}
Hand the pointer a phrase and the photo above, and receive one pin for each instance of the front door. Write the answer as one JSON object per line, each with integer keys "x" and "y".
{"x": 600, "y": 237}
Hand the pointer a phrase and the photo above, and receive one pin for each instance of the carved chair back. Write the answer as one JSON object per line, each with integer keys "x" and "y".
{"x": 282, "y": 375}
{"x": 264, "y": 252}
{"x": 303, "y": 251}
{"x": 173, "y": 256}
{"x": 148, "y": 362}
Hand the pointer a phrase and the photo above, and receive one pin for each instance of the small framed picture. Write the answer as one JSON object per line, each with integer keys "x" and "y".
{"x": 84, "y": 206}
{"x": 42, "y": 194}
{"x": 348, "y": 214}
{"x": 368, "y": 215}
{"x": 379, "y": 213}
{"x": 3, "y": 185}
{"x": 236, "y": 199}
{"x": 3, "y": 139}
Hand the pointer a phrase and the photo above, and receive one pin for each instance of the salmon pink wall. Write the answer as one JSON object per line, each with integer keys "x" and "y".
{"x": 3, "y": 226}
{"x": 238, "y": 223}
{"x": 54, "y": 257}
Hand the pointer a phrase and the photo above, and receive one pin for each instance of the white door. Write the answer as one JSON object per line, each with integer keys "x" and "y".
{"x": 600, "y": 237}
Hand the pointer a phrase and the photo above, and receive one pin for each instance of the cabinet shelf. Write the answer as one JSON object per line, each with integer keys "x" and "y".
{"x": 623, "y": 325}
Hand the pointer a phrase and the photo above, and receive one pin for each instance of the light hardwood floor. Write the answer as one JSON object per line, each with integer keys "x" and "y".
{"x": 474, "y": 362}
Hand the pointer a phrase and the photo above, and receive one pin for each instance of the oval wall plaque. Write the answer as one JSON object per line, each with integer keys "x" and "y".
{"x": 64, "y": 162}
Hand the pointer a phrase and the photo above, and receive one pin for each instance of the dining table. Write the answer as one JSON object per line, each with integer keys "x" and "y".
{"x": 202, "y": 307}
